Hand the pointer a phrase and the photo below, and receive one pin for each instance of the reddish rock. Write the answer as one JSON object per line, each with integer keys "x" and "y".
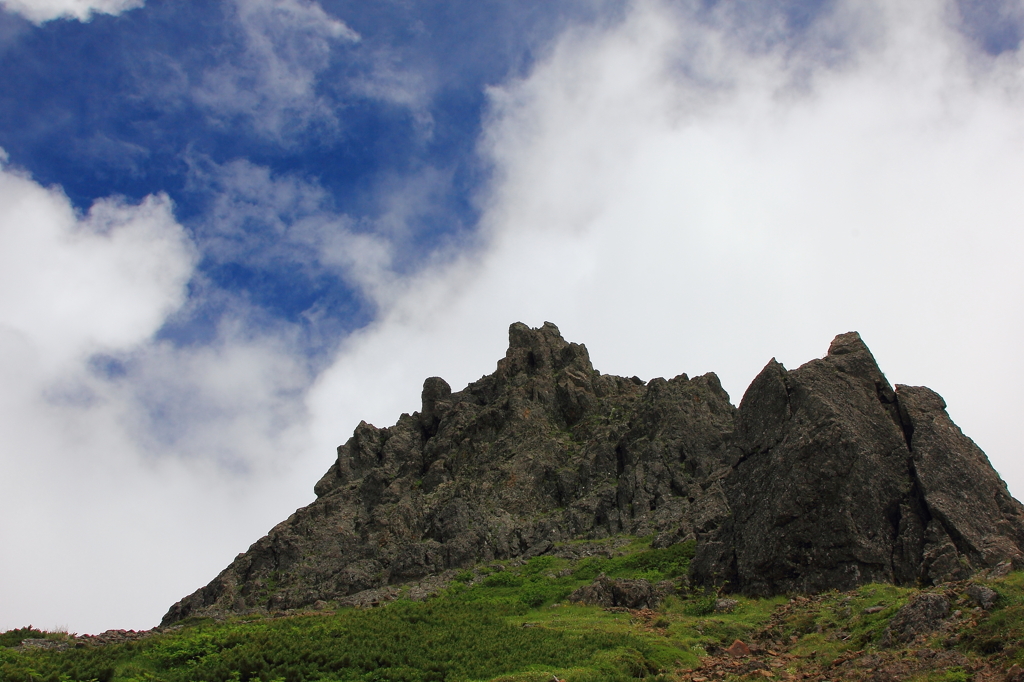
{"x": 738, "y": 649}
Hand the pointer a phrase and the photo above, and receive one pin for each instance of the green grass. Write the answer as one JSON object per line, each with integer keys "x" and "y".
{"x": 475, "y": 631}
{"x": 546, "y": 580}
{"x": 705, "y": 633}
{"x": 1002, "y": 631}
{"x": 650, "y": 564}
{"x": 510, "y": 622}
{"x": 954, "y": 674}
{"x": 405, "y": 641}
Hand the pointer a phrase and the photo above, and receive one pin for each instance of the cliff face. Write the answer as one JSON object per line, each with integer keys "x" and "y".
{"x": 842, "y": 480}
{"x": 824, "y": 477}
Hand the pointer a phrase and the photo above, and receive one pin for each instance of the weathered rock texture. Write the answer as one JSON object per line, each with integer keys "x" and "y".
{"x": 922, "y": 615}
{"x": 617, "y": 592}
{"x": 824, "y": 477}
{"x": 841, "y": 480}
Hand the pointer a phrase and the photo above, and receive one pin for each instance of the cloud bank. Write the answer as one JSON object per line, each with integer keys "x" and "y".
{"x": 128, "y": 443}
{"x": 40, "y": 11}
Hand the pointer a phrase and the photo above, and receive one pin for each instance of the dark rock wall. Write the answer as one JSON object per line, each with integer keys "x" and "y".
{"x": 544, "y": 449}
{"x": 824, "y": 477}
{"x": 841, "y": 480}
{"x": 972, "y": 522}
{"x": 823, "y": 470}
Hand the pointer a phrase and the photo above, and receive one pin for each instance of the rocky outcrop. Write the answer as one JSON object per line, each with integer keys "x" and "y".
{"x": 923, "y": 614}
{"x": 842, "y": 480}
{"x": 824, "y": 477}
{"x": 972, "y": 521}
{"x": 543, "y": 450}
{"x": 617, "y": 592}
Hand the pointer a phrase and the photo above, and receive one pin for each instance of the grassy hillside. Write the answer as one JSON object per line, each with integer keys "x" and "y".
{"x": 509, "y": 621}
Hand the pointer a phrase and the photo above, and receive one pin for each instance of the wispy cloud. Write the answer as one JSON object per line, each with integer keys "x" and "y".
{"x": 294, "y": 68}
{"x": 384, "y": 75}
{"x": 271, "y": 80}
{"x": 270, "y": 222}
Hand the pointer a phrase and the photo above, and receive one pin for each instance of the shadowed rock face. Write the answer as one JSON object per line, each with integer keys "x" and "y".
{"x": 544, "y": 449}
{"x": 841, "y": 480}
{"x": 824, "y": 477}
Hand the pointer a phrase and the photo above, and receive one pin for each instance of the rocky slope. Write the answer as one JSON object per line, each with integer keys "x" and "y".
{"x": 824, "y": 477}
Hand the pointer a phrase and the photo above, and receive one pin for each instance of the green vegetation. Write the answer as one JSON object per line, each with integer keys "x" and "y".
{"x": 14, "y": 637}
{"x": 649, "y": 564}
{"x": 1003, "y": 631}
{"x": 509, "y": 622}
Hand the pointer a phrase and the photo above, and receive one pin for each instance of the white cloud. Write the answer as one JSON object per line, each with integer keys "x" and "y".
{"x": 130, "y": 468}
{"x": 387, "y": 79}
{"x": 71, "y": 286}
{"x": 279, "y": 221}
{"x": 39, "y": 11}
{"x": 278, "y": 78}
{"x": 681, "y": 203}
{"x": 273, "y": 221}
{"x": 286, "y": 45}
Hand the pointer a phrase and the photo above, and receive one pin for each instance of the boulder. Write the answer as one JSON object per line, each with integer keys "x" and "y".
{"x": 725, "y": 605}
{"x": 922, "y": 615}
{"x": 985, "y": 597}
{"x": 630, "y": 594}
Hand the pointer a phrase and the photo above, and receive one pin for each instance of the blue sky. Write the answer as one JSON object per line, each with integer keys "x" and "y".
{"x": 231, "y": 230}
{"x": 173, "y": 96}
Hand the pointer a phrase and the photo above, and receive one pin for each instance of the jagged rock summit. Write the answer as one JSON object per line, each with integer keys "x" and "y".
{"x": 824, "y": 477}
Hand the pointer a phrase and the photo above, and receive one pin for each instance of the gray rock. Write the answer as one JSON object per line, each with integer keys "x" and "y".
{"x": 825, "y": 477}
{"x": 961, "y": 491}
{"x": 840, "y": 480}
{"x": 48, "y": 644}
{"x": 725, "y": 605}
{"x": 543, "y": 450}
{"x": 922, "y": 615}
{"x": 815, "y": 497}
{"x": 985, "y": 597}
{"x": 630, "y": 594}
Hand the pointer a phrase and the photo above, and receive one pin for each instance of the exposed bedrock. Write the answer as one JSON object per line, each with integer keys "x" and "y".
{"x": 841, "y": 480}
{"x": 824, "y": 477}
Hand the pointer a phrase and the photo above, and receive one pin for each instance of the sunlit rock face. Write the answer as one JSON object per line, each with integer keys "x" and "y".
{"x": 824, "y": 477}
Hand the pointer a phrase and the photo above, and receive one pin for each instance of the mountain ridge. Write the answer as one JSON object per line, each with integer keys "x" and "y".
{"x": 824, "y": 477}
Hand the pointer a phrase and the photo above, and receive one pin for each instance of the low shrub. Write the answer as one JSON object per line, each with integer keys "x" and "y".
{"x": 503, "y": 579}
{"x": 701, "y": 605}
{"x": 15, "y": 637}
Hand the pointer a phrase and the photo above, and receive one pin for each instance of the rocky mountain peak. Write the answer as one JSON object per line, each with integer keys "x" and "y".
{"x": 540, "y": 351}
{"x": 850, "y": 342}
{"x": 825, "y": 477}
